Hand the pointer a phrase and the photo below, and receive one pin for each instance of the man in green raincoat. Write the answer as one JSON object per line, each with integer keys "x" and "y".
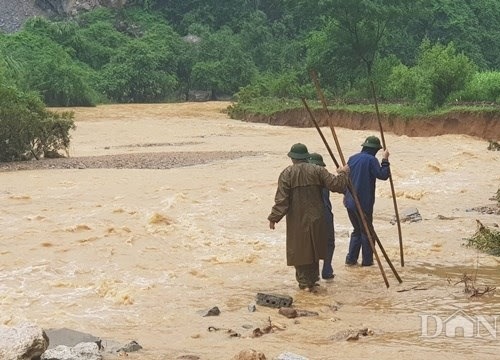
{"x": 299, "y": 198}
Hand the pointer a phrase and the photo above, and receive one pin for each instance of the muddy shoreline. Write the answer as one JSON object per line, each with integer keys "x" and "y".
{"x": 481, "y": 125}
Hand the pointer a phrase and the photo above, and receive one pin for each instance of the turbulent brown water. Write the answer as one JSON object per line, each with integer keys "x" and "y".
{"x": 142, "y": 254}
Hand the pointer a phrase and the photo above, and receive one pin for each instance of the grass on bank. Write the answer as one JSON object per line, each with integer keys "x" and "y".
{"x": 269, "y": 106}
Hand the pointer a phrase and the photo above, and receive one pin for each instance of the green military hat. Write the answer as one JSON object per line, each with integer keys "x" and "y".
{"x": 315, "y": 158}
{"x": 298, "y": 152}
{"x": 372, "y": 142}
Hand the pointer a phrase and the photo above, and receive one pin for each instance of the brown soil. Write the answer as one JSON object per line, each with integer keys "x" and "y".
{"x": 485, "y": 126}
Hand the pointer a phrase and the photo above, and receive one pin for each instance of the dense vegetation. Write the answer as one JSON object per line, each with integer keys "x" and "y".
{"x": 28, "y": 130}
{"x": 421, "y": 52}
{"x": 424, "y": 53}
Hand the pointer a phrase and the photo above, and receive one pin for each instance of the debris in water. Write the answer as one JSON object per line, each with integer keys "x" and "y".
{"x": 485, "y": 239}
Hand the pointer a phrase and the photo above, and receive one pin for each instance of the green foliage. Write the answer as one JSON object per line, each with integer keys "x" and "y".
{"x": 146, "y": 4}
{"x": 223, "y": 65}
{"x": 45, "y": 67}
{"x": 27, "y": 129}
{"x": 264, "y": 48}
{"x": 284, "y": 85}
{"x": 143, "y": 66}
{"x": 268, "y": 105}
{"x": 484, "y": 86}
{"x": 439, "y": 72}
{"x": 62, "y": 84}
{"x": 446, "y": 70}
{"x": 256, "y": 37}
{"x": 135, "y": 74}
{"x": 363, "y": 24}
{"x": 406, "y": 84}
{"x": 97, "y": 43}
{"x": 486, "y": 240}
{"x": 53, "y": 133}
{"x": 382, "y": 71}
{"x": 262, "y": 106}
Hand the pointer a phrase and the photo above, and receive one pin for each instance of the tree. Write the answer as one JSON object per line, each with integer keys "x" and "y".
{"x": 46, "y": 67}
{"x": 439, "y": 72}
{"x": 363, "y": 25}
{"x": 136, "y": 74}
{"x": 144, "y": 69}
{"x": 223, "y": 66}
{"x": 27, "y": 129}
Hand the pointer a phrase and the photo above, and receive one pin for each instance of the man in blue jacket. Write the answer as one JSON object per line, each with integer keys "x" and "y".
{"x": 365, "y": 170}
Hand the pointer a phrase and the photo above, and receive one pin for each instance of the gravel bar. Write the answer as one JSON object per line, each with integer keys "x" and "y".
{"x": 156, "y": 160}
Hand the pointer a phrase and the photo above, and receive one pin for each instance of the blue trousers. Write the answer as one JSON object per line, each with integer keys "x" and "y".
{"x": 359, "y": 240}
{"x": 327, "y": 271}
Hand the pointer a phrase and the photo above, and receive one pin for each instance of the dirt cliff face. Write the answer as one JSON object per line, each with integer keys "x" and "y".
{"x": 14, "y": 13}
{"x": 482, "y": 125}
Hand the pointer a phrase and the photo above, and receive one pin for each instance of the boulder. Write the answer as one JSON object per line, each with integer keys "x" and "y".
{"x": 24, "y": 342}
{"x": 68, "y": 337}
{"x": 249, "y": 354}
{"x": 82, "y": 351}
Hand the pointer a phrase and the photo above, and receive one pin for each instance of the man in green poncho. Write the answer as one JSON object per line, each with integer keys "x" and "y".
{"x": 299, "y": 197}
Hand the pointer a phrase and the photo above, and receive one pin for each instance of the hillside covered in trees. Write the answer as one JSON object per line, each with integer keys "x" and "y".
{"x": 424, "y": 53}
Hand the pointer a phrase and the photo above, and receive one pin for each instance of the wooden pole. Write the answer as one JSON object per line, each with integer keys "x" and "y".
{"x": 349, "y": 185}
{"x": 390, "y": 176}
{"x": 332, "y": 128}
{"x": 325, "y": 107}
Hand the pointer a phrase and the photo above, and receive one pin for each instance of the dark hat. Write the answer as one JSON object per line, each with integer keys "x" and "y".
{"x": 315, "y": 158}
{"x": 372, "y": 142}
{"x": 298, "y": 152}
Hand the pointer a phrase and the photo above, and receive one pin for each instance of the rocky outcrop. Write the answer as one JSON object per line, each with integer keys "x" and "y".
{"x": 24, "y": 342}
{"x": 72, "y": 7}
{"x": 14, "y": 13}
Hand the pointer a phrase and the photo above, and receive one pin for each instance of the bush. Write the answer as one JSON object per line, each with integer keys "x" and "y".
{"x": 439, "y": 72}
{"x": 285, "y": 85}
{"x": 486, "y": 240}
{"x": 45, "y": 67}
{"x": 484, "y": 86}
{"x": 135, "y": 74}
{"x": 27, "y": 129}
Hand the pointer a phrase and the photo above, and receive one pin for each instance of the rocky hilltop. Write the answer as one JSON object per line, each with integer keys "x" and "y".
{"x": 14, "y": 13}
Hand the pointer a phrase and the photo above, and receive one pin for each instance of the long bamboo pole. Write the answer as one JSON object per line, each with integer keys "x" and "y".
{"x": 339, "y": 149}
{"x": 393, "y": 192}
{"x": 321, "y": 96}
{"x": 349, "y": 185}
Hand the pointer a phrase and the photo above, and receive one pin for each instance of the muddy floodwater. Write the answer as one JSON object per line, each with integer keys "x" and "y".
{"x": 129, "y": 253}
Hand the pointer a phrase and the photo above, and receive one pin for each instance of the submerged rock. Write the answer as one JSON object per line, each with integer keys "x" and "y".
{"x": 249, "y": 355}
{"x": 290, "y": 356}
{"x": 82, "y": 351}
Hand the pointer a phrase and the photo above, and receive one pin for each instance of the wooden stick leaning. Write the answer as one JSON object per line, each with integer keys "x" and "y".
{"x": 349, "y": 185}
{"x": 390, "y": 176}
{"x": 361, "y": 214}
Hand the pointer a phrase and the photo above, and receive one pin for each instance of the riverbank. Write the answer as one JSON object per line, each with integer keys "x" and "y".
{"x": 484, "y": 125}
